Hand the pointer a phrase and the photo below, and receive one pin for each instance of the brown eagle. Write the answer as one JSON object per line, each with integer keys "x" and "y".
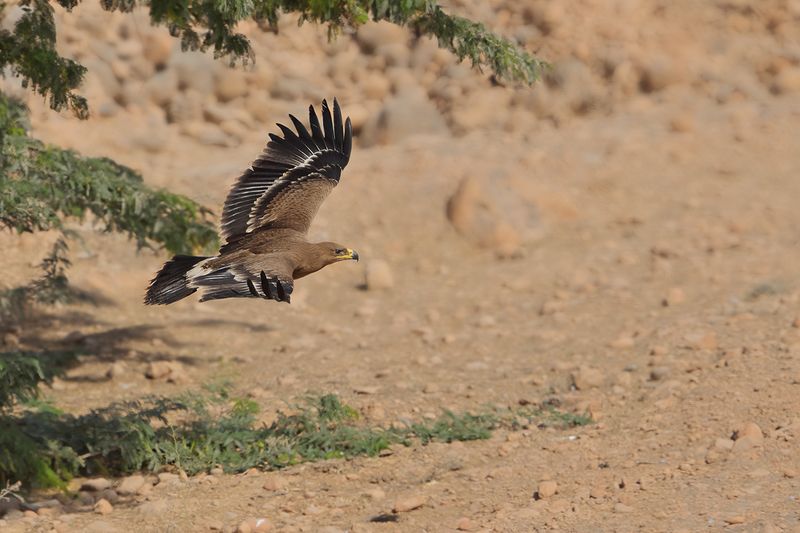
{"x": 266, "y": 217}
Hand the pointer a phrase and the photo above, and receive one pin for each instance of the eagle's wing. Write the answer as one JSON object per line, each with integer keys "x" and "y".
{"x": 269, "y": 279}
{"x": 285, "y": 187}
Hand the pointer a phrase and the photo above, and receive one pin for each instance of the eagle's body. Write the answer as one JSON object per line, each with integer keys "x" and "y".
{"x": 266, "y": 218}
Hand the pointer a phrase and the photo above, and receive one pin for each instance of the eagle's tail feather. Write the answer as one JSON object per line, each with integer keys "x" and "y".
{"x": 171, "y": 283}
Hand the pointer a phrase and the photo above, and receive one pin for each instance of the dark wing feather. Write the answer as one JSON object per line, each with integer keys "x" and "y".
{"x": 292, "y": 165}
{"x": 271, "y": 282}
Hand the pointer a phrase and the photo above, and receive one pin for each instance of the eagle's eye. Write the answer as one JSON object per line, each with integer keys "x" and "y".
{"x": 339, "y": 251}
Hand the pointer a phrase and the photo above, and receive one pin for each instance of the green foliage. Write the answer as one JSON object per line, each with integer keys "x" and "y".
{"x": 471, "y": 40}
{"x": 41, "y": 185}
{"x": 451, "y": 427}
{"x": 21, "y": 373}
{"x": 30, "y": 53}
{"x": 197, "y": 432}
{"x": 29, "y": 50}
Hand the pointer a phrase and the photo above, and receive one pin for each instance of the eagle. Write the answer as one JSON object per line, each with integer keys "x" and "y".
{"x": 266, "y": 217}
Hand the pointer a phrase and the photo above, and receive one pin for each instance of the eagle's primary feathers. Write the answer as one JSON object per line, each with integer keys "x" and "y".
{"x": 266, "y": 218}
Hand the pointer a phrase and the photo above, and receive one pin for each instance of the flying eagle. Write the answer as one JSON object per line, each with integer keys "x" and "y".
{"x": 266, "y": 217}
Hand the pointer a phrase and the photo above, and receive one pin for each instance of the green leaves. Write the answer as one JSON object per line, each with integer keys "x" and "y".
{"x": 30, "y": 53}
{"x": 29, "y": 50}
{"x": 42, "y": 185}
{"x": 21, "y": 373}
{"x": 471, "y": 40}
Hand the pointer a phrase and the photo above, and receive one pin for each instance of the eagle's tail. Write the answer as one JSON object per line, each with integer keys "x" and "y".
{"x": 171, "y": 283}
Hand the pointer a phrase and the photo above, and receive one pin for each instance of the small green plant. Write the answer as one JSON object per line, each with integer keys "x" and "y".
{"x": 197, "y": 432}
{"x": 451, "y": 427}
{"x": 21, "y": 373}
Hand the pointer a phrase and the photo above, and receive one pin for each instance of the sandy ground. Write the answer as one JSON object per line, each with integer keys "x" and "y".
{"x": 651, "y": 281}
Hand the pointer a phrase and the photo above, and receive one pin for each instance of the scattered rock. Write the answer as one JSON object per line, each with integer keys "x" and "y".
{"x": 96, "y": 484}
{"x": 206, "y": 133}
{"x": 378, "y": 275}
{"x": 116, "y": 370}
{"x": 407, "y": 503}
{"x": 489, "y": 213}
{"x": 162, "y": 87}
{"x": 675, "y": 296}
{"x": 787, "y": 81}
{"x": 167, "y": 478}
{"x": 587, "y": 378}
{"x": 103, "y": 506}
{"x": 157, "y": 370}
{"x": 230, "y": 84}
{"x": 659, "y": 373}
{"x": 373, "y": 35}
{"x": 598, "y": 492}
{"x": 74, "y": 337}
{"x": 275, "y": 482}
{"x": 747, "y": 437}
{"x": 195, "y": 71}
{"x": 406, "y": 114}
{"x": 130, "y": 485}
{"x": 735, "y": 519}
{"x": 465, "y": 524}
{"x": 108, "y": 494}
{"x": 661, "y": 72}
{"x": 622, "y": 343}
{"x": 683, "y": 123}
{"x": 157, "y": 48}
{"x": 622, "y": 508}
{"x": 702, "y": 340}
{"x": 216, "y": 471}
{"x": 376, "y": 494}
{"x": 487, "y": 321}
{"x": 10, "y": 340}
{"x": 172, "y": 371}
{"x": 546, "y": 489}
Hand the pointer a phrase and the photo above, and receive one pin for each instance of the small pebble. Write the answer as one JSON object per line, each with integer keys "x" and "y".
{"x": 659, "y": 373}
{"x": 376, "y": 494}
{"x": 736, "y": 519}
{"x": 674, "y": 296}
{"x": 546, "y": 489}
{"x": 103, "y": 506}
{"x": 378, "y": 275}
{"x": 130, "y": 485}
{"x": 96, "y": 484}
{"x": 409, "y": 503}
{"x": 465, "y": 524}
{"x": 275, "y": 482}
{"x": 587, "y": 378}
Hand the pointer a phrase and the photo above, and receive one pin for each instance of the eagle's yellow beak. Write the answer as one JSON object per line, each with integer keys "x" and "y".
{"x": 349, "y": 254}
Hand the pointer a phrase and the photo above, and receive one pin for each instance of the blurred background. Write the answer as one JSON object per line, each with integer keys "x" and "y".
{"x": 620, "y": 239}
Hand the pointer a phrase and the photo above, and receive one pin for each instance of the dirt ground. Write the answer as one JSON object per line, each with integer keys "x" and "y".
{"x": 630, "y": 248}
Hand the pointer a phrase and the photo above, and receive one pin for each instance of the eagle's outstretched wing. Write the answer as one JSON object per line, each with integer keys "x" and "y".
{"x": 285, "y": 187}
